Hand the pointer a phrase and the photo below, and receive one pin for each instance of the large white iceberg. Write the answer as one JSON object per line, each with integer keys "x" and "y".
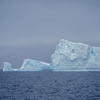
{"x": 68, "y": 56}
{"x": 75, "y": 56}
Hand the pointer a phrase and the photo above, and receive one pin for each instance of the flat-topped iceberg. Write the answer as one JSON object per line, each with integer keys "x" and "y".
{"x": 75, "y": 56}
{"x": 68, "y": 56}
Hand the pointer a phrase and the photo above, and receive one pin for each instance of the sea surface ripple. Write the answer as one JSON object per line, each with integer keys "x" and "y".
{"x": 48, "y": 85}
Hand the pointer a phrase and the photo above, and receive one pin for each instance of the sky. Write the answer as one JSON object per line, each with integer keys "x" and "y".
{"x": 33, "y": 28}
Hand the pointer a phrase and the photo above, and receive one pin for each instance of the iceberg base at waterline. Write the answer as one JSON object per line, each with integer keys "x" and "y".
{"x": 68, "y": 56}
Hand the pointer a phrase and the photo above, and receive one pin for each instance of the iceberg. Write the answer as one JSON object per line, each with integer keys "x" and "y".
{"x": 7, "y": 67}
{"x": 28, "y": 65}
{"x": 75, "y": 57}
{"x": 68, "y": 56}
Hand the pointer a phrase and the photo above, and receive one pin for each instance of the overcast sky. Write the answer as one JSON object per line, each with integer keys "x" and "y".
{"x": 33, "y": 28}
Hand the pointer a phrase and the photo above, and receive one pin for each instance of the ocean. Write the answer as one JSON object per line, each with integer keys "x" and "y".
{"x": 49, "y": 85}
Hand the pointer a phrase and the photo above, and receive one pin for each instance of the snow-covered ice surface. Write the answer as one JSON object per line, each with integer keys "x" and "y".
{"x": 75, "y": 56}
{"x": 68, "y": 56}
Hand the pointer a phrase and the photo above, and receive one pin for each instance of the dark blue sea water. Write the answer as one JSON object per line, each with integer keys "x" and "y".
{"x": 48, "y": 85}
